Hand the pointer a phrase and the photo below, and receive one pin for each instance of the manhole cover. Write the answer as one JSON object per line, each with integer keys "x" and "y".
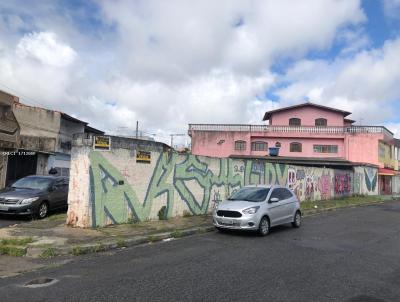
{"x": 41, "y": 282}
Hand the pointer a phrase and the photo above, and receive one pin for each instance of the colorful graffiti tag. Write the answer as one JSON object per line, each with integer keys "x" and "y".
{"x": 343, "y": 184}
{"x": 371, "y": 177}
{"x": 115, "y": 201}
{"x": 192, "y": 183}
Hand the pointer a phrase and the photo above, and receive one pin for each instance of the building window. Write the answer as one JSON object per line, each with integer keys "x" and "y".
{"x": 325, "y": 148}
{"x": 294, "y": 121}
{"x": 259, "y": 146}
{"x": 382, "y": 151}
{"x": 295, "y": 147}
{"x": 240, "y": 145}
{"x": 321, "y": 122}
{"x": 278, "y": 145}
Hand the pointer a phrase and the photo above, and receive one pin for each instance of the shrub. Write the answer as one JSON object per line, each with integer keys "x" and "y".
{"x": 187, "y": 214}
{"x": 162, "y": 213}
{"x": 48, "y": 253}
{"x": 121, "y": 242}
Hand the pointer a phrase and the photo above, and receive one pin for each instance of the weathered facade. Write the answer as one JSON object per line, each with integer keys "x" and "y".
{"x": 9, "y": 132}
{"x": 44, "y": 142}
{"x": 304, "y": 130}
{"x": 120, "y": 185}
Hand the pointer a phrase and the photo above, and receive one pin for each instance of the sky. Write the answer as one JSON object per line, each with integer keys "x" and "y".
{"x": 170, "y": 63}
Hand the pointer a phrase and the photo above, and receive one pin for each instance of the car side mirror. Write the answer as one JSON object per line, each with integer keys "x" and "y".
{"x": 51, "y": 189}
{"x": 273, "y": 199}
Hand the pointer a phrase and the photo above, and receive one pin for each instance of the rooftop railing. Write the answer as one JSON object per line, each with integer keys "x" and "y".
{"x": 306, "y": 129}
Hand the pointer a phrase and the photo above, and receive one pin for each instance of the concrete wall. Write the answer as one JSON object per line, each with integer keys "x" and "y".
{"x": 396, "y": 184}
{"x": 112, "y": 187}
{"x": 41, "y": 166}
{"x": 38, "y": 122}
{"x": 222, "y": 143}
{"x": 3, "y": 168}
{"x": 363, "y": 147}
{"x": 39, "y": 127}
{"x": 9, "y": 128}
{"x": 67, "y": 130}
{"x": 61, "y": 162}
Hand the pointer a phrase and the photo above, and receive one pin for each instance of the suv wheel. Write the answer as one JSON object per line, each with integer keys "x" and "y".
{"x": 263, "y": 228}
{"x": 43, "y": 210}
{"x": 297, "y": 220}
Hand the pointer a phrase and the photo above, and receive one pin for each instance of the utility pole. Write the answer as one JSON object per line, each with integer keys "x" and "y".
{"x": 172, "y": 137}
{"x": 137, "y": 129}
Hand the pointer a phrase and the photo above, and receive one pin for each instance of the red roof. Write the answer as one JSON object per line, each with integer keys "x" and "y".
{"x": 268, "y": 114}
{"x": 347, "y": 120}
{"x": 384, "y": 171}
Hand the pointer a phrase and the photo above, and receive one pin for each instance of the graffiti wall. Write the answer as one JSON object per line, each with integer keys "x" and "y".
{"x": 117, "y": 186}
{"x": 365, "y": 181}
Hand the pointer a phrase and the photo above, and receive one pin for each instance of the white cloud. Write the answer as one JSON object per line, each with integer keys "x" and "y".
{"x": 366, "y": 84}
{"x": 177, "y": 39}
{"x": 216, "y": 97}
{"x": 395, "y": 128}
{"x": 171, "y": 63}
{"x": 46, "y": 48}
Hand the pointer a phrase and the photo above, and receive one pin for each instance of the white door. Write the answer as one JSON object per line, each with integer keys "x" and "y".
{"x": 277, "y": 210}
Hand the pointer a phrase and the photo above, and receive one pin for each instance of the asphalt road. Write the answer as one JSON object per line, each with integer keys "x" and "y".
{"x": 349, "y": 255}
{"x": 6, "y": 220}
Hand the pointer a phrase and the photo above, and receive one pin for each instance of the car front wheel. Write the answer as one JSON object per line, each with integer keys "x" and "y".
{"x": 42, "y": 210}
{"x": 263, "y": 228}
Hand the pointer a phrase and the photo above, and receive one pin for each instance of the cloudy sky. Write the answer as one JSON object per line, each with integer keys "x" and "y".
{"x": 170, "y": 63}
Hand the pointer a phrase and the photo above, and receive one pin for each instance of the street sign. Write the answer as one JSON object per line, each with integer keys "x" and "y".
{"x": 102, "y": 143}
{"x": 143, "y": 157}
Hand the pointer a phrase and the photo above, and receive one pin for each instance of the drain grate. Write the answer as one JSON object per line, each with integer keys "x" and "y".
{"x": 40, "y": 282}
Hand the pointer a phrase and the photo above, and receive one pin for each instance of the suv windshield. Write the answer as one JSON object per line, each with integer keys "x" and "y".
{"x": 35, "y": 183}
{"x": 253, "y": 194}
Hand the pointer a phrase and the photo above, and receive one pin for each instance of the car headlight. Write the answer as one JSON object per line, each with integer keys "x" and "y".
{"x": 251, "y": 210}
{"x": 29, "y": 200}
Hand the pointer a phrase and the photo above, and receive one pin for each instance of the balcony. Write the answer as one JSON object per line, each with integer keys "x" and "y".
{"x": 288, "y": 129}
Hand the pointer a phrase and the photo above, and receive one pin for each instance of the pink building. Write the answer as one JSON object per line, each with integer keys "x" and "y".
{"x": 305, "y": 131}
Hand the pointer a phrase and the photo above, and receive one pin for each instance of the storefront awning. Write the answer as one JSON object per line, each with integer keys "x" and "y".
{"x": 387, "y": 172}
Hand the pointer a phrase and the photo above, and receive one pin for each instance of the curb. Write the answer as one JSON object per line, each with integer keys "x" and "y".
{"x": 313, "y": 212}
{"x": 115, "y": 243}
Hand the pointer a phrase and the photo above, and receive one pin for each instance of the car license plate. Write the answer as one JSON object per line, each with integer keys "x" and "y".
{"x": 3, "y": 208}
{"x": 228, "y": 221}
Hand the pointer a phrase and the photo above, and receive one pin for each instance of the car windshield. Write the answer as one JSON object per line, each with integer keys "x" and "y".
{"x": 253, "y": 194}
{"x": 38, "y": 183}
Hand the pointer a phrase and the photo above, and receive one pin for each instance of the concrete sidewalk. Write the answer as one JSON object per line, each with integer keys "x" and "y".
{"x": 51, "y": 237}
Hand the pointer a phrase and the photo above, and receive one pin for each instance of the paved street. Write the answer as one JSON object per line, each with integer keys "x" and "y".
{"x": 6, "y": 220}
{"x": 347, "y": 255}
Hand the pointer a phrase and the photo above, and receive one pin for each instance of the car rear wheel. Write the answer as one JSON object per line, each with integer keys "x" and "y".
{"x": 43, "y": 210}
{"x": 263, "y": 228}
{"x": 297, "y": 220}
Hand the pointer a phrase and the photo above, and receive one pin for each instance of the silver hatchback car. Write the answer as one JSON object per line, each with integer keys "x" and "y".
{"x": 258, "y": 208}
